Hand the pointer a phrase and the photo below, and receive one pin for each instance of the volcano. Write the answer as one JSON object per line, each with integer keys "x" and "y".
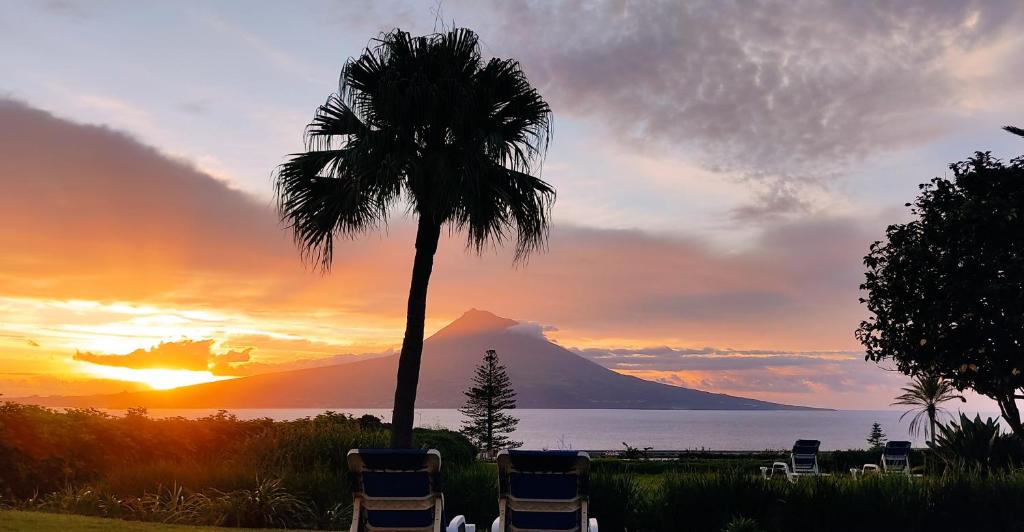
{"x": 544, "y": 375}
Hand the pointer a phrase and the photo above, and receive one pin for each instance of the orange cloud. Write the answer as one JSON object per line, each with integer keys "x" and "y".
{"x": 89, "y": 214}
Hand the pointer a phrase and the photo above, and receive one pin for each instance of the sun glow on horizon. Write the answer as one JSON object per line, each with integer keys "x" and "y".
{"x": 155, "y": 378}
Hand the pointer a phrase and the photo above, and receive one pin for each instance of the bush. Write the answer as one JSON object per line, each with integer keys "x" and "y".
{"x": 976, "y": 445}
{"x": 221, "y": 470}
{"x": 742, "y": 524}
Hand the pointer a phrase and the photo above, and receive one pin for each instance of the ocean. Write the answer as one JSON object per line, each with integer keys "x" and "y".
{"x": 728, "y": 430}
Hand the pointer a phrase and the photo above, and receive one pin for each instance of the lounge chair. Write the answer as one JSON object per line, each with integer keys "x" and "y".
{"x": 398, "y": 489}
{"x": 804, "y": 458}
{"x": 895, "y": 460}
{"x": 543, "y": 490}
{"x": 780, "y": 469}
{"x": 803, "y": 462}
{"x": 896, "y": 457}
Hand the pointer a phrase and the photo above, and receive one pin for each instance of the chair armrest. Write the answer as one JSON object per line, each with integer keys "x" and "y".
{"x": 592, "y": 525}
{"x": 496, "y": 524}
{"x": 459, "y": 524}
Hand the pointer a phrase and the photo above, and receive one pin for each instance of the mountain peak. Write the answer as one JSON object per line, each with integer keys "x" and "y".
{"x": 475, "y": 321}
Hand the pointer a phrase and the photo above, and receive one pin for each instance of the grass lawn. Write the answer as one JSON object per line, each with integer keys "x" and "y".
{"x": 28, "y": 521}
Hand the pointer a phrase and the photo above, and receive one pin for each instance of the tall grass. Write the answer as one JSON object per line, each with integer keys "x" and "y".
{"x": 224, "y": 471}
{"x": 709, "y": 502}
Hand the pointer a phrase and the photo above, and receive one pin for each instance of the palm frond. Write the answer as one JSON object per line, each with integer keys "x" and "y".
{"x": 926, "y": 392}
{"x": 498, "y": 201}
{"x": 1015, "y": 130}
{"x": 427, "y": 120}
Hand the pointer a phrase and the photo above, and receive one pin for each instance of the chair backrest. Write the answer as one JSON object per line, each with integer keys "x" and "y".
{"x": 896, "y": 457}
{"x": 805, "y": 456}
{"x": 395, "y": 489}
{"x": 543, "y": 490}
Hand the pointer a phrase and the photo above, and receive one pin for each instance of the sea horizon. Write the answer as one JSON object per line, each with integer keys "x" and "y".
{"x": 609, "y": 429}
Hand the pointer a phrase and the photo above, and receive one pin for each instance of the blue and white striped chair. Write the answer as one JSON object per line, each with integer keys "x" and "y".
{"x": 543, "y": 490}
{"x": 400, "y": 490}
{"x": 896, "y": 457}
{"x": 803, "y": 462}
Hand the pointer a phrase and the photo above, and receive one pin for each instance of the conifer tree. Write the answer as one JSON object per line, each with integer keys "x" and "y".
{"x": 876, "y": 438}
{"x": 488, "y": 425}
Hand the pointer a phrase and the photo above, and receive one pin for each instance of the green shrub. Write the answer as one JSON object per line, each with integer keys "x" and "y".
{"x": 223, "y": 471}
{"x": 455, "y": 448}
{"x": 619, "y": 501}
{"x": 976, "y": 445}
{"x": 472, "y": 490}
{"x": 742, "y": 524}
{"x": 268, "y": 505}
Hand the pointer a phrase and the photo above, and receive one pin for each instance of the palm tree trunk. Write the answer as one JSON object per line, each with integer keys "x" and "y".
{"x": 427, "y": 234}
{"x": 931, "y": 422}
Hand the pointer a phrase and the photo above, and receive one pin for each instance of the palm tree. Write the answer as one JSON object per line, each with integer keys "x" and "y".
{"x": 424, "y": 121}
{"x": 926, "y": 392}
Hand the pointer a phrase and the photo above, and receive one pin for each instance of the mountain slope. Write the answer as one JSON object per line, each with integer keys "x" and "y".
{"x": 544, "y": 374}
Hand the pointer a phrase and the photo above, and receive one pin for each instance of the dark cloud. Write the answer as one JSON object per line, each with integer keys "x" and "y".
{"x": 781, "y": 199}
{"x": 771, "y": 88}
{"x": 715, "y": 306}
{"x": 796, "y": 375}
{"x": 711, "y": 358}
{"x": 195, "y": 355}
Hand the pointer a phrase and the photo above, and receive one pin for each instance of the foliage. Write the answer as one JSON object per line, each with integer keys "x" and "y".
{"x": 428, "y": 120}
{"x": 708, "y": 502}
{"x": 293, "y": 474}
{"x": 619, "y": 500}
{"x": 425, "y": 121}
{"x": 487, "y": 423}
{"x": 42, "y": 450}
{"x": 742, "y": 524}
{"x": 635, "y": 453}
{"x": 219, "y": 469}
{"x": 946, "y": 290}
{"x": 926, "y": 392}
{"x": 976, "y": 444}
{"x": 876, "y": 438}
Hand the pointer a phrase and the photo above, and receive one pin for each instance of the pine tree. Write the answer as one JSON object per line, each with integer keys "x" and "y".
{"x": 876, "y": 438}
{"x": 487, "y": 424}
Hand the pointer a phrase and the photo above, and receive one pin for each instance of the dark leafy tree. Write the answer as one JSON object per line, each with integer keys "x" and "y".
{"x": 427, "y": 122}
{"x": 876, "y": 438}
{"x": 925, "y": 394}
{"x": 487, "y": 423}
{"x": 946, "y": 290}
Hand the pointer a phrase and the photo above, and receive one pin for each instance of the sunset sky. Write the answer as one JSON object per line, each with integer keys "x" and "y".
{"x": 721, "y": 169}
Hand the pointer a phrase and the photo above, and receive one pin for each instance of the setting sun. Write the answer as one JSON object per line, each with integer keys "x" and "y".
{"x": 158, "y": 379}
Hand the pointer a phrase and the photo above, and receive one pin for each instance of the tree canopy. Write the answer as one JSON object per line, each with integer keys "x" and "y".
{"x": 946, "y": 289}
